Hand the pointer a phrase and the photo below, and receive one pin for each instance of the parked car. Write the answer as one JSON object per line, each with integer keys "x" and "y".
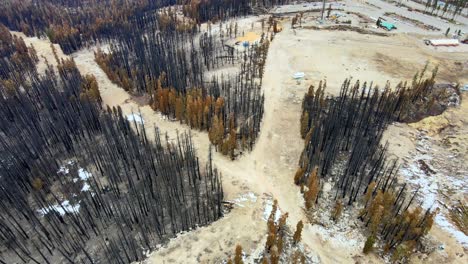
{"x": 384, "y": 24}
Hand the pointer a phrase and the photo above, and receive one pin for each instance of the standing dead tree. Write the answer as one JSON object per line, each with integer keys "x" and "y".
{"x": 172, "y": 68}
{"x": 79, "y": 184}
{"x": 342, "y": 139}
{"x": 75, "y": 24}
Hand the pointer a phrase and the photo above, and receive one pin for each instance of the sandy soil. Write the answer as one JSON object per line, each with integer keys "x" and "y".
{"x": 44, "y": 50}
{"x": 205, "y": 245}
{"x": 268, "y": 170}
{"x": 335, "y": 56}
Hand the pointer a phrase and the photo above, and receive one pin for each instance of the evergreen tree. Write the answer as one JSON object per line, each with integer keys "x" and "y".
{"x": 238, "y": 256}
{"x": 338, "y": 208}
{"x": 297, "y": 234}
{"x": 312, "y": 193}
{"x": 369, "y": 245}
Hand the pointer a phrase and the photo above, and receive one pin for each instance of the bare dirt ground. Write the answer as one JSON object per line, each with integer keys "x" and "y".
{"x": 338, "y": 55}
{"x": 251, "y": 180}
{"x": 44, "y": 50}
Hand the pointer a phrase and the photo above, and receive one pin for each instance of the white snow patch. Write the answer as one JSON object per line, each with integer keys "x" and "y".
{"x": 63, "y": 208}
{"x": 63, "y": 170}
{"x": 450, "y": 228}
{"x": 428, "y": 187}
{"x": 347, "y": 239}
{"x": 268, "y": 209}
{"x": 136, "y": 117}
{"x": 461, "y": 185}
{"x": 83, "y": 174}
{"x": 85, "y": 187}
{"x": 430, "y": 184}
{"x": 247, "y": 197}
{"x": 298, "y": 75}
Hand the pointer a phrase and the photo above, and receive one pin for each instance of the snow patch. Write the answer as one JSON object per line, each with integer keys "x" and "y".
{"x": 415, "y": 175}
{"x": 348, "y": 239}
{"x": 459, "y": 184}
{"x": 135, "y": 117}
{"x": 247, "y": 197}
{"x": 439, "y": 179}
{"x": 85, "y": 187}
{"x": 83, "y": 174}
{"x": 268, "y": 209}
{"x": 450, "y": 228}
{"x": 64, "y": 207}
{"x": 428, "y": 187}
{"x": 63, "y": 170}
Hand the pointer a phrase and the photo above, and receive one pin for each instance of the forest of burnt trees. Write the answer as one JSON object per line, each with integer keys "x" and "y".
{"x": 75, "y": 23}
{"x": 82, "y": 184}
{"x": 158, "y": 49}
{"x": 174, "y": 70}
{"x": 342, "y": 145}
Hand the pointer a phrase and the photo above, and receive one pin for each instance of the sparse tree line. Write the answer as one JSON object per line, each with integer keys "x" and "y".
{"x": 215, "y": 10}
{"x": 389, "y": 216}
{"x": 453, "y": 7}
{"x": 22, "y": 59}
{"x": 281, "y": 246}
{"x": 172, "y": 69}
{"x": 140, "y": 190}
{"x": 342, "y": 144}
{"x": 351, "y": 123}
{"x": 74, "y": 24}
